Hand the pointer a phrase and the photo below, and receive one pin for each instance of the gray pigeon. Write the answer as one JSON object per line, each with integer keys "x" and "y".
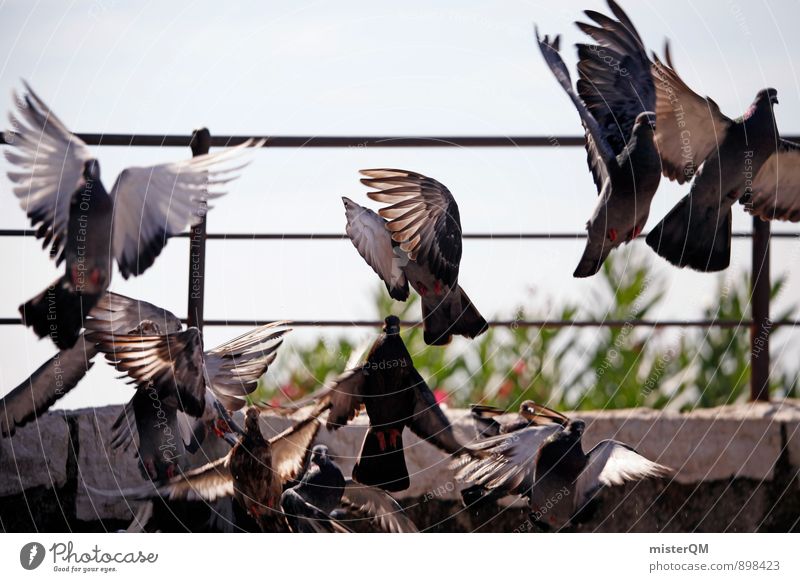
{"x": 615, "y": 99}
{"x": 57, "y": 181}
{"x": 173, "y": 374}
{"x": 307, "y": 506}
{"x": 547, "y": 465}
{"x": 416, "y": 240}
{"x": 720, "y": 156}
{"x": 324, "y": 492}
{"x": 55, "y": 378}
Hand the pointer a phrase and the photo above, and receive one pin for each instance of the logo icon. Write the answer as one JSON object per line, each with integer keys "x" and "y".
{"x": 31, "y": 555}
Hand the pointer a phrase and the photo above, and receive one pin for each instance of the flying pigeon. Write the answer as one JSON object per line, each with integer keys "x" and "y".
{"x": 253, "y": 472}
{"x": 547, "y": 465}
{"x": 173, "y": 370}
{"x": 416, "y": 240}
{"x": 727, "y": 160}
{"x": 615, "y": 99}
{"x": 57, "y": 181}
{"x": 57, "y": 376}
{"x": 395, "y": 396}
{"x": 490, "y": 421}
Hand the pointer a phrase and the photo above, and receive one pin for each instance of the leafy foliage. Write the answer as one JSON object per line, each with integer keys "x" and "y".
{"x": 568, "y": 367}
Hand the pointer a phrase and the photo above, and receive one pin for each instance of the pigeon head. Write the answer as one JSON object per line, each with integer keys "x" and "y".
{"x": 91, "y": 170}
{"x": 645, "y": 121}
{"x": 768, "y": 95}
{"x": 319, "y": 455}
{"x": 201, "y": 141}
{"x": 528, "y": 409}
{"x": 251, "y": 420}
{"x": 391, "y": 325}
{"x": 576, "y": 428}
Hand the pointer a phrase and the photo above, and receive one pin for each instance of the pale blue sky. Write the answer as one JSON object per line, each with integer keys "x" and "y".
{"x": 345, "y": 67}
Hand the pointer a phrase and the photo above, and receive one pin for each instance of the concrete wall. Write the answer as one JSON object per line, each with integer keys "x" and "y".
{"x": 736, "y": 470}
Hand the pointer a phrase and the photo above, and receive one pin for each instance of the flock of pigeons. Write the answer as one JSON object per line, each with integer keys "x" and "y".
{"x": 640, "y": 121}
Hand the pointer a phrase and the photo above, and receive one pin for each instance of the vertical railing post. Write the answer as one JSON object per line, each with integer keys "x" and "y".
{"x": 762, "y": 324}
{"x": 200, "y": 144}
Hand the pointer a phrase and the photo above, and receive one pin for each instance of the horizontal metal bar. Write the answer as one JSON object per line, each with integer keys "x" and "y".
{"x": 338, "y": 141}
{"x": 333, "y": 141}
{"x": 722, "y": 323}
{"x": 16, "y": 232}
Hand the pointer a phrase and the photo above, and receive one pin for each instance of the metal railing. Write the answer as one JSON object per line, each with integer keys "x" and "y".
{"x": 200, "y": 141}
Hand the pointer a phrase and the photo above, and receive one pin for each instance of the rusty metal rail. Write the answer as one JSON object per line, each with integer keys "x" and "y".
{"x": 200, "y": 141}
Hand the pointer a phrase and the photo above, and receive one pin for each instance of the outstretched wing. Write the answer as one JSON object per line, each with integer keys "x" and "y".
{"x": 422, "y": 216}
{"x": 376, "y": 504}
{"x": 290, "y": 448}
{"x": 613, "y": 463}
{"x": 614, "y": 79}
{"x": 428, "y": 421}
{"x": 776, "y": 188}
{"x": 504, "y": 462}
{"x": 116, "y": 313}
{"x": 598, "y": 149}
{"x": 374, "y": 243}
{"x": 688, "y": 126}
{"x": 154, "y": 203}
{"x": 171, "y": 364}
{"x": 48, "y": 165}
{"x": 209, "y": 482}
{"x": 235, "y": 366}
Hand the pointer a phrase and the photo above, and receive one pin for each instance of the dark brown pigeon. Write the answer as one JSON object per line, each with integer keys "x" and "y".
{"x": 615, "y": 99}
{"x": 253, "y": 472}
{"x": 57, "y": 181}
{"x": 547, "y": 465}
{"x": 416, "y": 240}
{"x": 172, "y": 371}
{"x": 55, "y": 378}
{"x": 395, "y": 397}
{"x": 719, "y": 155}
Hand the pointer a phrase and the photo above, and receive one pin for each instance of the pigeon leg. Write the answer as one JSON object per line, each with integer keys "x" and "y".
{"x": 437, "y": 287}
{"x": 225, "y": 417}
{"x": 394, "y": 437}
{"x": 381, "y": 440}
{"x": 423, "y": 290}
{"x": 612, "y": 234}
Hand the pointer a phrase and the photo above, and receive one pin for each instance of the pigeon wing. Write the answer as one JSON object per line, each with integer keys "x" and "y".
{"x": 613, "y": 463}
{"x": 378, "y": 505}
{"x": 776, "y": 188}
{"x": 688, "y": 126}
{"x": 374, "y": 243}
{"x": 154, "y": 203}
{"x": 422, "y": 216}
{"x": 48, "y": 162}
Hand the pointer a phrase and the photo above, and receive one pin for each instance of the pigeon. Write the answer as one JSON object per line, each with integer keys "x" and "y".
{"x": 113, "y": 313}
{"x": 416, "y": 240}
{"x": 323, "y": 491}
{"x": 308, "y": 504}
{"x": 547, "y": 465}
{"x": 173, "y": 374}
{"x": 395, "y": 396}
{"x": 490, "y": 421}
{"x": 253, "y": 472}
{"x": 616, "y": 100}
{"x": 720, "y": 156}
{"x": 57, "y": 181}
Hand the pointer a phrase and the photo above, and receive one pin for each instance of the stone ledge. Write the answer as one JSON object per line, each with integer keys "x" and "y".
{"x": 729, "y": 450}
